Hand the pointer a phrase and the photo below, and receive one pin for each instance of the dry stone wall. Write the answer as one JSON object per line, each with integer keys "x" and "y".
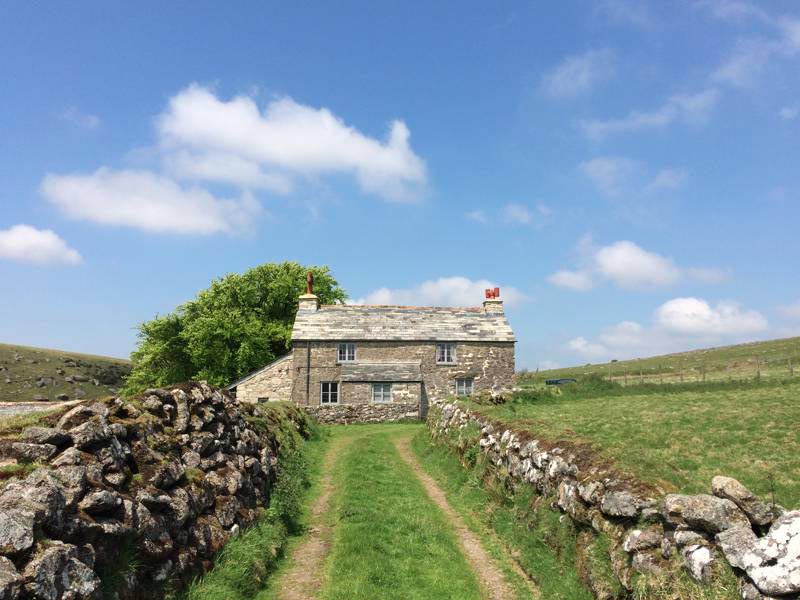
{"x": 168, "y": 477}
{"x": 759, "y": 540}
{"x": 345, "y": 414}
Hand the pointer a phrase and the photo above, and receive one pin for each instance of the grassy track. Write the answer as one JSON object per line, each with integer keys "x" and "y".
{"x": 390, "y": 541}
{"x": 680, "y": 438}
{"x": 495, "y": 521}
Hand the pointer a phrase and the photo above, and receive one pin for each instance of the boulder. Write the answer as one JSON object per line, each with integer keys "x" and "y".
{"x": 780, "y": 573}
{"x": 56, "y": 572}
{"x": 10, "y": 580}
{"x": 45, "y": 435}
{"x": 62, "y": 397}
{"x": 74, "y": 479}
{"x": 31, "y": 453}
{"x": 740, "y": 547}
{"x": 699, "y": 561}
{"x": 70, "y": 456}
{"x": 704, "y": 512}
{"x": 41, "y": 493}
{"x": 74, "y": 417}
{"x": 621, "y": 503}
{"x": 91, "y": 433}
{"x": 643, "y": 539}
{"x": 168, "y": 474}
{"x": 100, "y": 502}
{"x": 16, "y": 530}
{"x": 759, "y": 513}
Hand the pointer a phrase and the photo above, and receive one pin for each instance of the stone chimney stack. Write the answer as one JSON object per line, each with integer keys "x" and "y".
{"x": 492, "y": 303}
{"x": 309, "y": 301}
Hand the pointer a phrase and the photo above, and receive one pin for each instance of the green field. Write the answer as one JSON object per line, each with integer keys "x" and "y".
{"x": 31, "y": 374}
{"x": 774, "y": 358}
{"x": 676, "y": 436}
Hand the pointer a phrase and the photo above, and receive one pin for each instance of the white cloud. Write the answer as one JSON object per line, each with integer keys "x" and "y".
{"x": 735, "y": 11}
{"x": 76, "y": 117}
{"x": 689, "y": 108}
{"x": 478, "y": 216}
{"x": 293, "y": 138}
{"x": 711, "y": 275}
{"x": 226, "y": 168}
{"x": 791, "y": 310}
{"x": 445, "y": 291}
{"x": 586, "y": 348}
{"x": 608, "y": 173}
{"x": 668, "y": 179}
{"x": 579, "y": 281}
{"x": 624, "y": 12}
{"x": 577, "y": 74}
{"x": 632, "y": 267}
{"x": 147, "y": 201}
{"x": 696, "y": 317}
{"x": 517, "y": 214}
{"x": 789, "y": 113}
{"x": 679, "y": 324}
{"x": 23, "y": 243}
{"x": 543, "y": 209}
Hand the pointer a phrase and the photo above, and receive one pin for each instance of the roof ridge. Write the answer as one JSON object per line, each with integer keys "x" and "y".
{"x": 403, "y": 306}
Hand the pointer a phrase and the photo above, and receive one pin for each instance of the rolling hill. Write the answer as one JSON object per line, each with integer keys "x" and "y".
{"x": 39, "y": 374}
{"x": 773, "y": 358}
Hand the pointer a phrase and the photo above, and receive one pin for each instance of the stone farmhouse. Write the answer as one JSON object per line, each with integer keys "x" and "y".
{"x": 371, "y": 363}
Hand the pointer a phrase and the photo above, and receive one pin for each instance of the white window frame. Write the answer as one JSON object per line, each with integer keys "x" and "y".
{"x": 329, "y": 395}
{"x": 382, "y": 392}
{"x": 445, "y": 353}
{"x": 345, "y": 352}
{"x": 465, "y": 386}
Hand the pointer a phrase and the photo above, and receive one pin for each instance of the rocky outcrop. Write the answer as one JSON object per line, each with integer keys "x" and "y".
{"x": 759, "y": 540}
{"x": 161, "y": 481}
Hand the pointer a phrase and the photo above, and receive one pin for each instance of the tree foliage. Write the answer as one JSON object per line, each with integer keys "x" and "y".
{"x": 238, "y": 324}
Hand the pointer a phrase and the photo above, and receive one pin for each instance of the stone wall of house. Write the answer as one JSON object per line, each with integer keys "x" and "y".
{"x": 373, "y": 412}
{"x": 491, "y": 365}
{"x": 648, "y": 531}
{"x": 361, "y": 393}
{"x": 274, "y": 382}
{"x": 174, "y": 473}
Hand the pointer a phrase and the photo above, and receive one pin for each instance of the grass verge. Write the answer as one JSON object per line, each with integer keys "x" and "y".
{"x": 391, "y": 542}
{"x": 542, "y": 546}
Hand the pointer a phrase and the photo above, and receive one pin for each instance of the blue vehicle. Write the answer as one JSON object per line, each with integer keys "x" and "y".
{"x": 560, "y": 381}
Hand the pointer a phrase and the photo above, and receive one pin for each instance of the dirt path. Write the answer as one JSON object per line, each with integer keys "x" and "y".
{"x": 305, "y": 576}
{"x": 489, "y": 575}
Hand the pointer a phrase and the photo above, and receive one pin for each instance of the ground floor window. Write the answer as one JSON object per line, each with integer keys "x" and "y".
{"x": 381, "y": 392}
{"x": 329, "y": 392}
{"x": 464, "y": 386}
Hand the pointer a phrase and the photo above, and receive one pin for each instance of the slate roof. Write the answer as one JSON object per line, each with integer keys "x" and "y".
{"x": 389, "y": 372}
{"x": 400, "y": 323}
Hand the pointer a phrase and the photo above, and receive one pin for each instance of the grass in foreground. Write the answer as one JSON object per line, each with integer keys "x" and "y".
{"x": 502, "y": 527}
{"x": 391, "y": 541}
{"x": 679, "y": 439}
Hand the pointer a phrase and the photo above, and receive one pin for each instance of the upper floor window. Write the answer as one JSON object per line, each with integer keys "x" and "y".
{"x": 381, "y": 392}
{"x": 329, "y": 392}
{"x": 464, "y": 387}
{"x": 445, "y": 353}
{"x": 346, "y": 352}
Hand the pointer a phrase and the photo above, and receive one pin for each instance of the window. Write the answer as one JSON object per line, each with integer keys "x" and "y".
{"x": 346, "y": 353}
{"x": 464, "y": 387}
{"x": 445, "y": 353}
{"x": 381, "y": 392}
{"x": 329, "y": 392}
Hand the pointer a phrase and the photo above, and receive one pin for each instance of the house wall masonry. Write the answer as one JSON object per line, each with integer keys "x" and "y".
{"x": 273, "y": 382}
{"x": 490, "y": 364}
{"x": 760, "y": 540}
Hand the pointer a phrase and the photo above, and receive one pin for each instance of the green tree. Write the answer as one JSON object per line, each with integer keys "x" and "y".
{"x": 239, "y": 324}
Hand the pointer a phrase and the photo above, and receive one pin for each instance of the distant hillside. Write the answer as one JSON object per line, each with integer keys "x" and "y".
{"x": 28, "y": 374}
{"x": 774, "y": 358}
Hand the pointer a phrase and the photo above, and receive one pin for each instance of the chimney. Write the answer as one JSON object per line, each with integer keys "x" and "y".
{"x": 309, "y": 300}
{"x": 492, "y": 303}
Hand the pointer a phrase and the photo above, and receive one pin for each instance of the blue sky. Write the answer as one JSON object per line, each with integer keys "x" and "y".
{"x": 626, "y": 172}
